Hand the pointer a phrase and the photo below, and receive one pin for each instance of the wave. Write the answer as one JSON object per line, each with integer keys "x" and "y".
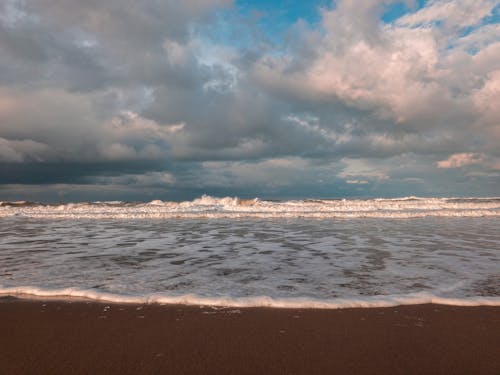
{"x": 234, "y": 207}
{"x": 28, "y": 292}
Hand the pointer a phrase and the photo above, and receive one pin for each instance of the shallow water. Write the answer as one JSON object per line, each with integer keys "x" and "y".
{"x": 250, "y": 261}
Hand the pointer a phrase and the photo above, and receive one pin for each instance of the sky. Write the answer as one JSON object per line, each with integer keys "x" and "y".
{"x": 162, "y": 99}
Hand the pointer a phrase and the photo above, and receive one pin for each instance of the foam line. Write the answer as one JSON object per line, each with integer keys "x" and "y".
{"x": 29, "y": 292}
{"x": 234, "y": 208}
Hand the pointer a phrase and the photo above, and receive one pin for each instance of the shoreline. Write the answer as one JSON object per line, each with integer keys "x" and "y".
{"x": 366, "y": 302}
{"x": 54, "y": 336}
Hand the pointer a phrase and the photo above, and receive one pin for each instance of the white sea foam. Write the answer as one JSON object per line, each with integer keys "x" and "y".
{"x": 295, "y": 262}
{"x": 28, "y": 292}
{"x": 232, "y": 207}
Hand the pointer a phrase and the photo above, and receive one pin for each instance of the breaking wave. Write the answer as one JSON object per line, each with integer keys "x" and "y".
{"x": 233, "y": 207}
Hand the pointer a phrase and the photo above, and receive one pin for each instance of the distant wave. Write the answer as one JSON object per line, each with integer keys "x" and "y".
{"x": 233, "y": 207}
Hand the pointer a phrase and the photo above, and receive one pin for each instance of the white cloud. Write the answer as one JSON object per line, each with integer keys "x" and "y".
{"x": 357, "y": 182}
{"x": 479, "y": 38}
{"x": 487, "y": 100}
{"x": 415, "y": 74}
{"x": 177, "y": 53}
{"x": 356, "y": 170}
{"x": 311, "y": 124}
{"x": 131, "y": 124}
{"x": 465, "y": 159}
{"x": 460, "y": 160}
{"x": 150, "y": 179}
{"x": 453, "y": 13}
{"x": 127, "y": 87}
{"x": 270, "y": 174}
{"x": 22, "y": 150}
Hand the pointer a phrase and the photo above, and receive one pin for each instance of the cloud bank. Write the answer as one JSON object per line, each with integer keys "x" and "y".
{"x": 145, "y": 98}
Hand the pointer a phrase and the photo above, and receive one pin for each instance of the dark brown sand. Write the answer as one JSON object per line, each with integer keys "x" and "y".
{"x": 38, "y": 337}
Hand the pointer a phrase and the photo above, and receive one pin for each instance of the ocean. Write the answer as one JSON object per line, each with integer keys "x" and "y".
{"x": 236, "y": 252}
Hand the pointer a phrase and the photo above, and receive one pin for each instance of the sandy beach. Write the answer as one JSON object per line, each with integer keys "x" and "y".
{"x": 53, "y": 337}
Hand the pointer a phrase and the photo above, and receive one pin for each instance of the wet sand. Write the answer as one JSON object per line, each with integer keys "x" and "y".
{"x": 51, "y": 337}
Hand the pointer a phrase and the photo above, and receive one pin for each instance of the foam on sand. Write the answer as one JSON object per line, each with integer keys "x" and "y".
{"x": 261, "y": 301}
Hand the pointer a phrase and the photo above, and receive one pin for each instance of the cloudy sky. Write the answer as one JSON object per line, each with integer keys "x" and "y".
{"x": 170, "y": 99}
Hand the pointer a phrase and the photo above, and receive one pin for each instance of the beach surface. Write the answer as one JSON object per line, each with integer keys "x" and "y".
{"x": 75, "y": 337}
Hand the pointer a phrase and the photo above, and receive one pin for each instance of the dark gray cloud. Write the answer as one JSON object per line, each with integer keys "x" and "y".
{"x": 140, "y": 99}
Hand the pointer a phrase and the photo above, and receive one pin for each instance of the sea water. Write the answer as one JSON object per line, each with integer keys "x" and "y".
{"x": 234, "y": 252}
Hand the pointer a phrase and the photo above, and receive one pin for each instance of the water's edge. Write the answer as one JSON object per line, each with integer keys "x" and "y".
{"x": 74, "y": 294}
